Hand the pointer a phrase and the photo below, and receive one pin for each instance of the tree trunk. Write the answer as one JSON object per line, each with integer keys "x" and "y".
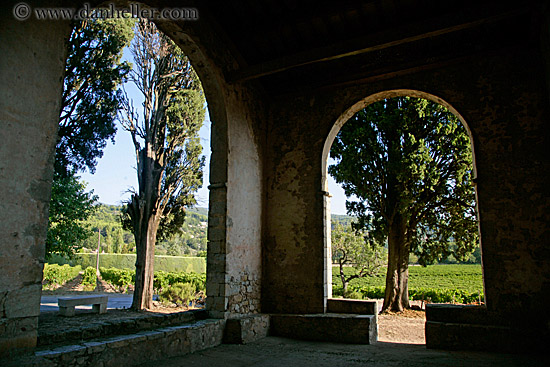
{"x": 145, "y": 258}
{"x": 396, "y": 297}
{"x": 145, "y": 221}
{"x": 343, "y": 279}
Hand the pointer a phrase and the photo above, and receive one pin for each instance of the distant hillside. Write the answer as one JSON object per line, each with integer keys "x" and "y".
{"x": 342, "y": 219}
{"x": 113, "y": 239}
{"x": 192, "y": 240}
{"x": 199, "y": 210}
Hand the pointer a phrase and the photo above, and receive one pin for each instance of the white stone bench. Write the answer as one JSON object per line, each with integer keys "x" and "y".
{"x": 67, "y": 305}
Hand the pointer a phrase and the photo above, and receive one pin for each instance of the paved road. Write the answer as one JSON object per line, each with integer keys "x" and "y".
{"x": 49, "y": 303}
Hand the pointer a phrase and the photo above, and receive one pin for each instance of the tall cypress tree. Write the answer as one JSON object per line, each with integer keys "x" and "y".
{"x": 167, "y": 147}
{"x": 409, "y": 163}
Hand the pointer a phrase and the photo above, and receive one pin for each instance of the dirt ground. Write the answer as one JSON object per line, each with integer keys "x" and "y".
{"x": 406, "y": 327}
{"x": 75, "y": 285}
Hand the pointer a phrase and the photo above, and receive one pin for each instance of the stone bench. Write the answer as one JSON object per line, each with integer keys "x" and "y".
{"x": 67, "y": 305}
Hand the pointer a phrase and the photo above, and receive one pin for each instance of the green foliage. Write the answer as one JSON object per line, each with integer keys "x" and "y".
{"x": 89, "y": 106}
{"x": 350, "y": 294}
{"x": 180, "y": 263}
{"x": 163, "y": 280}
{"x": 70, "y": 206}
{"x": 190, "y": 240}
{"x": 180, "y": 293}
{"x": 343, "y": 220}
{"x": 91, "y": 98}
{"x": 122, "y": 278}
{"x": 463, "y": 277}
{"x": 89, "y": 278}
{"x": 128, "y": 261}
{"x": 55, "y": 274}
{"x": 115, "y": 239}
{"x": 411, "y": 159}
{"x": 349, "y": 249}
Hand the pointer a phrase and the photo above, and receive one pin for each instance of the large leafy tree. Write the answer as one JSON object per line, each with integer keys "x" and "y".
{"x": 90, "y": 101}
{"x": 357, "y": 254}
{"x": 167, "y": 147}
{"x": 409, "y": 163}
{"x": 70, "y": 206}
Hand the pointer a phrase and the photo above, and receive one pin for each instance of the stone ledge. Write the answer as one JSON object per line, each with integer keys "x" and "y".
{"x": 129, "y": 350}
{"x": 338, "y": 328}
{"x": 352, "y": 306}
{"x": 454, "y": 336}
{"x": 119, "y": 327}
{"x": 460, "y": 314}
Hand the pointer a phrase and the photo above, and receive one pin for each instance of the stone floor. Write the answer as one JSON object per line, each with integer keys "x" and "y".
{"x": 276, "y": 352}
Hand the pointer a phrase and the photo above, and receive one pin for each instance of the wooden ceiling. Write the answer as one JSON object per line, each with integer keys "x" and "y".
{"x": 288, "y": 46}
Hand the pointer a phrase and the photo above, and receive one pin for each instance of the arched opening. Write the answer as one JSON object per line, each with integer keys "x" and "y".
{"x": 211, "y": 90}
{"x": 329, "y": 253}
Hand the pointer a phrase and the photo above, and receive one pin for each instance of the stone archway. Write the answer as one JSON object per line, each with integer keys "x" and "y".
{"x": 342, "y": 119}
{"x": 31, "y": 88}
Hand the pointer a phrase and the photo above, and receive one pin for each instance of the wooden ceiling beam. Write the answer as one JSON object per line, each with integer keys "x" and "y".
{"x": 370, "y": 43}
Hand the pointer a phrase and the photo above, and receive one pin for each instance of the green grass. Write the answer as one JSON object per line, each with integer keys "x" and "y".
{"x": 463, "y": 277}
{"x": 441, "y": 283}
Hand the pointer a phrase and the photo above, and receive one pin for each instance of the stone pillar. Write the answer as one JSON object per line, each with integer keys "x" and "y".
{"x": 31, "y": 74}
{"x": 295, "y": 247}
{"x": 235, "y": 212}
{"x": 216, "y": 302}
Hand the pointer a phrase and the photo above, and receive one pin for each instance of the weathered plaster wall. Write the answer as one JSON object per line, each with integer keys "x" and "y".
{"x": 31, "y": 65}
{"x": 294, "y": 246}
{"x": 244, "y": 220}
{"x": 505, "y": 103}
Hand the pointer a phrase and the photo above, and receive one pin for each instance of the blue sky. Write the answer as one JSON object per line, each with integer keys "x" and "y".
{"x": 115, "y": 172}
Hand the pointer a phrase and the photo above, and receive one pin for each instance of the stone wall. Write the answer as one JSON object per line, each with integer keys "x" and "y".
{"x": 31, "y": 66}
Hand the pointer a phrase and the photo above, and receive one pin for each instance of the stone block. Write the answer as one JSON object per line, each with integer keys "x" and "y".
{"x": 216, "y": 234}
{"x": 460, "y": 314}
{"x": 351, "y": 306}
{"x": 454, "y": 336}
{"x": 67, "y": 305}
{"x": 337, "y": 328}
{"x": 11, "y": 345}
{"x": 23, "y": 302}
{"x": 246, "y": 329}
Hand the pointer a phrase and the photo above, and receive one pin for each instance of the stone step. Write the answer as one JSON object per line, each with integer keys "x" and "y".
{"x": 110, "y": 327}
{"x": 132, "y": 349}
